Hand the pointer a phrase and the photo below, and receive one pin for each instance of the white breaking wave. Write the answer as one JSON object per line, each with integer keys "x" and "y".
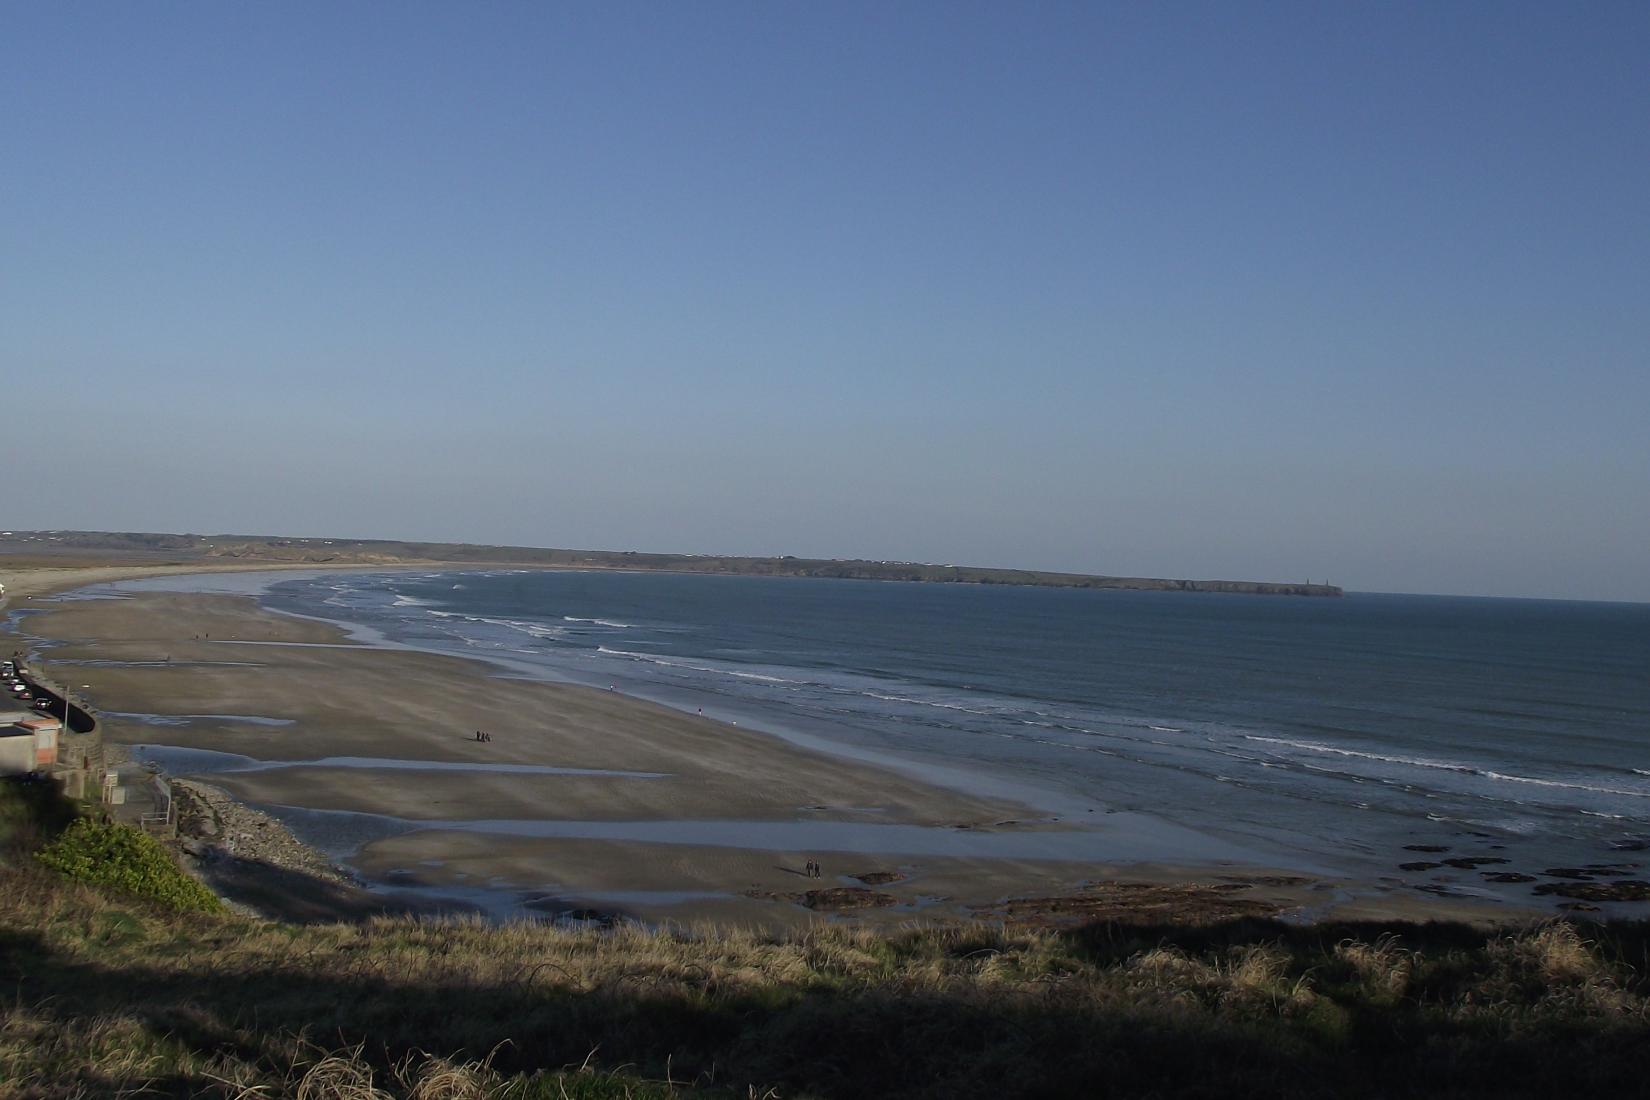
{"x": 1415, "y": 762}
{"x": 598, "y": 622}
{"x": 537, "y": 630}
{"x": 1571, "y": 786}
{"x": 409, "y": 601}
{"x": 928, "y": 703}
{"x": 652, "y": 659}
{"x": 1445, "y": 765}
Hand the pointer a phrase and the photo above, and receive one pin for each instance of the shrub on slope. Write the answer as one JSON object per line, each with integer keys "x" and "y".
{"x": 121, "y": 857}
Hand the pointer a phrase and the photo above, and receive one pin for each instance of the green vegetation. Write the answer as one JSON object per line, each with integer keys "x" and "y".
{"x": 126, "y": 859}
{"x": 108, "y": 994}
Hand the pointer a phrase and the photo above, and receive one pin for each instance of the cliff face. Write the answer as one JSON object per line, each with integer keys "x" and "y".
{"x": 384, "y": 552}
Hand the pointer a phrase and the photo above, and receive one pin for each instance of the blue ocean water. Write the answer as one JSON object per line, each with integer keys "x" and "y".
{"x": 1346, "y": 728}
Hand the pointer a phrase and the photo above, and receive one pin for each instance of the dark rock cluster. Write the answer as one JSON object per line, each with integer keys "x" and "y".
{"x": 1580, "y": 883}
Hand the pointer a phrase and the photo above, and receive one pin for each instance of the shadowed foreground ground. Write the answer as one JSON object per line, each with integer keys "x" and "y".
{"x": 106, "y": 994}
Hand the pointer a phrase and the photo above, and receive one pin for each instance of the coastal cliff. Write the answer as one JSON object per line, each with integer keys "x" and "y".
{"x": 55, "y": 545}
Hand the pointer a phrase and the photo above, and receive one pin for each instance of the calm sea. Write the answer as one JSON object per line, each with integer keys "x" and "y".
{"x": 1345, "y": 728}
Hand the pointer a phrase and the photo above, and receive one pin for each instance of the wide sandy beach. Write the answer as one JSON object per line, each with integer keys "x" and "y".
{"x": 585, "y": 800}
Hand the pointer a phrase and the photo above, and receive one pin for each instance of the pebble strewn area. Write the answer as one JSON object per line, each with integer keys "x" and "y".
{"x": 212, "y": 824}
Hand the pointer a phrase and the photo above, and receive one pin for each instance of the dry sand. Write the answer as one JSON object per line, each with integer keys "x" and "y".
{"x": 174, "y": 654}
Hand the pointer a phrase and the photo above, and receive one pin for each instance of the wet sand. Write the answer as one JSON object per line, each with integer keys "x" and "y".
{"x": 339, "y": 699}
{"x": 307, "y": 693}
{"x": 761, "y": 887}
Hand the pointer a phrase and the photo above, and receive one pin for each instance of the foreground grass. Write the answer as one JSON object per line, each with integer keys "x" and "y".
{"x": 108, "y": 994}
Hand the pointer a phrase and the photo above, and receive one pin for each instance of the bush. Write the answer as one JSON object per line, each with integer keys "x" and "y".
{"x": 126, "y": 859}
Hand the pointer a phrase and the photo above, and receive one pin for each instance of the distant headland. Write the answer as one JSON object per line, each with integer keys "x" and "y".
{"x": 61, "y": 547}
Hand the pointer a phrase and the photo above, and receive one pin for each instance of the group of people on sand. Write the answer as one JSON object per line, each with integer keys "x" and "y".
{"x": 483, "y": 736}
{"x": 814, "y": 870}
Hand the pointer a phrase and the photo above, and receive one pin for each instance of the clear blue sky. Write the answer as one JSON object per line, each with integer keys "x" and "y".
{"x": 1229, "y": 290}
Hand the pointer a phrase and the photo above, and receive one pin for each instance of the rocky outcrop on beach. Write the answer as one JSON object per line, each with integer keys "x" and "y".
{"x": 846, "y": 897}
{"x": 259, "y": 868}
{"x": 832, "y": 898}
{"x": 1140, "y": 903}
{"x": 212, "y": 825}
{"x": 880, "y": 878}
{"x": 1620, "y": 890}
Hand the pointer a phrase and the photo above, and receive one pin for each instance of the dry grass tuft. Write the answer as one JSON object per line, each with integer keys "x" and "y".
{"x": 1258, "y": 968}
{"x": 1383, "y": 966}
{"x": 338, "y": 1077}
{"x": 1557, "y": 953}
{"x": 1173, "y": 971}
{"x": 441, "y": 1079}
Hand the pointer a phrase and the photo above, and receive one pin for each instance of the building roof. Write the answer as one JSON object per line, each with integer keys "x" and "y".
{"x": 37, "y": 723}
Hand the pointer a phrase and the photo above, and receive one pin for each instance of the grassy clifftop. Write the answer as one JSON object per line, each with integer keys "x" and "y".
{"x": 108, "y": 993}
